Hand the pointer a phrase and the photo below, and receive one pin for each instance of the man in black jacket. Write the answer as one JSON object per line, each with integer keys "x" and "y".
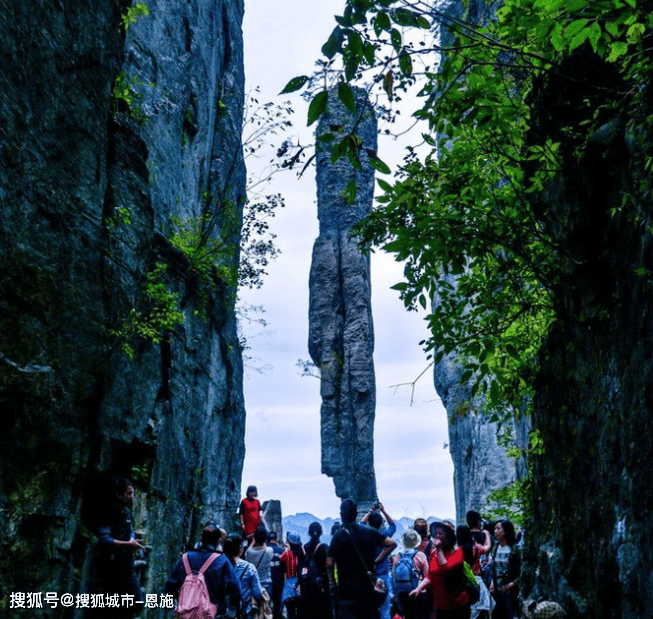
{"x": 353, "y": 552}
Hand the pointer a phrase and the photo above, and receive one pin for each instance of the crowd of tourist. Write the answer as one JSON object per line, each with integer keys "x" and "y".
{"x": 437, "y": 571}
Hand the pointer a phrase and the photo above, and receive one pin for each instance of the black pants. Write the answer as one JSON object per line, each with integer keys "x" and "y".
{"x": 416, "y": 607}
{"x": 464, "y": 612}
{"x": 348, "y": 609}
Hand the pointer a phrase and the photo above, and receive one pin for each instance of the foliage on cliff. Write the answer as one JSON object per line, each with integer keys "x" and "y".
{"x": 470, "y": 212}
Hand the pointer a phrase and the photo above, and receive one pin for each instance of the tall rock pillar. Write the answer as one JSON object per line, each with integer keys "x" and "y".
{"x": 341, "y": 333}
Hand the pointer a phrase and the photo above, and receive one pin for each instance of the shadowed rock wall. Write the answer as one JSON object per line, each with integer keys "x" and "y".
{"x": 588, "y": 541}
{"x": 88, "y": 182}
{"x": 341, "y": 335}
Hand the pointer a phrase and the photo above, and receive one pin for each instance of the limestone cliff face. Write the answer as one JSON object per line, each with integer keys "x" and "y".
{"x": 594, "y": 399}
{"x": 90, "y": 175}
{"x": 341, "y": 336}
{"x": 481, "y": 464}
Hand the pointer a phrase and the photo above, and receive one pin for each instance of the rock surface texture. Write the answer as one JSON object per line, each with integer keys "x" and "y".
{"x": 104, "y": 135}
{"x": 341, "y": 335}
{"x": 481, "y": 464}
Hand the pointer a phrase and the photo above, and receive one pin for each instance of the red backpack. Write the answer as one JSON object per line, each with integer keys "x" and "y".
{"x": 194, "y": 600}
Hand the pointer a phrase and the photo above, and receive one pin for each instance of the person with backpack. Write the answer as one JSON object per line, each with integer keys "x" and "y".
{"x": 472, "y": 552}
{"x": 409, "y": 569}
{"x": 315, "y": 602}
{"x": 375, "y": 520}
{"x": 247, "y": 575}
{"x": 204, "y": 581}
{"x": 276, "y": 573}
{"x": 292, "y": 556}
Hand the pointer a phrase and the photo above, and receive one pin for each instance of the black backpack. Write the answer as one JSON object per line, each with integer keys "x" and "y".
{"x": 309, "y": 578}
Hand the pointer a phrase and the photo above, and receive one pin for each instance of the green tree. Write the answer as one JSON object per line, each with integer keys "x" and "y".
{"x": 467, "y": 219}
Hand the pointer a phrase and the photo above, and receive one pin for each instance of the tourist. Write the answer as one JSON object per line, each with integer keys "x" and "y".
{"x": 220, "y": 577}
{"x": 375, "y": 520}
{"x": 426, "y": 545}
{"x": 292, "y": 556}
{"x": 313, "y": 580}
{"x": 117, "y": 544}
{"x": 480, "y": 535}
{"x": 446, "y": 575}
{"x": 353, "y": 554}
{"x": 506, "y": 570}
{"x": 247, "y": 575}
{"x": 276, "y": 574}
{"x": 251, "y": 514}
{"x": 409, "y": 569}
{"x": 259, "y": 554}
{"x": 472, "y": 552}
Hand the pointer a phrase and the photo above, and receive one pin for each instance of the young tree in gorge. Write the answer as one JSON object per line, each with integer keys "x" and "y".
{"x": 468, "y": 219}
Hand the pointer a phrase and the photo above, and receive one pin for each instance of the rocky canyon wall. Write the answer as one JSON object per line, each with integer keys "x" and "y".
{"x": 107, "y": 137}
{"x": 593, "y": 392}
{"x": 588, "y": 542}
{"x": 341, "y": 335}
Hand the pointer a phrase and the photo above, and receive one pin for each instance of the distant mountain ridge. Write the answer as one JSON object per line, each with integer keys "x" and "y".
{"x": 299, "y": 523}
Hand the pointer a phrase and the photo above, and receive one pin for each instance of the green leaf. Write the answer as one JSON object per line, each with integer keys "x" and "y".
{"x": 406, "y": 64}
{"x": 573, "y": 6}
{"x": 384, "y": 185}
{"x": 382, "y": 21}
{"x": 376, "y": 163}
{"x": 594, "y": 35}
{"x": 617, "y": 49}
{"x": 575, "y": 27}
{"x": 350, "y": 192}
{"x": 395, "y": 38}
{"x": 317, "y": 106}
{"x": 404, "y": 17}
{"x": 334, "y": 43}
{"x": 295, "y": 84}
{"x": 346, "y": 95}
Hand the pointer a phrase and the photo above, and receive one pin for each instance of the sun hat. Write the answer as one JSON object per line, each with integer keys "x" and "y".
{"x": 411, "y": 538}
{"x": 293, "y": 538}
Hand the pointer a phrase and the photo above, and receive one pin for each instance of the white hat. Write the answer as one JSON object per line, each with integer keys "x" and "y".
{"x": 411, "y": 538}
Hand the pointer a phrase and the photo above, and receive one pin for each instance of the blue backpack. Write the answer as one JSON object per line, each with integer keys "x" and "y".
{"x": 404, "y": 574}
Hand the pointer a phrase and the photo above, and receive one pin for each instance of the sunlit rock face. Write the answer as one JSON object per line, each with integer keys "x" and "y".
{"x": 90, "y": 176}
{"x": 341, "y": 335}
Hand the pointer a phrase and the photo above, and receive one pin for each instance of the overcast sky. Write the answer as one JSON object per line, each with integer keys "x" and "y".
{"x": 414, "y": 471}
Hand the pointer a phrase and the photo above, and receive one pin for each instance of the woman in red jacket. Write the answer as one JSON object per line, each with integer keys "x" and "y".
{"x": 251, "y": 514}
{"x": 446, "y": 576}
